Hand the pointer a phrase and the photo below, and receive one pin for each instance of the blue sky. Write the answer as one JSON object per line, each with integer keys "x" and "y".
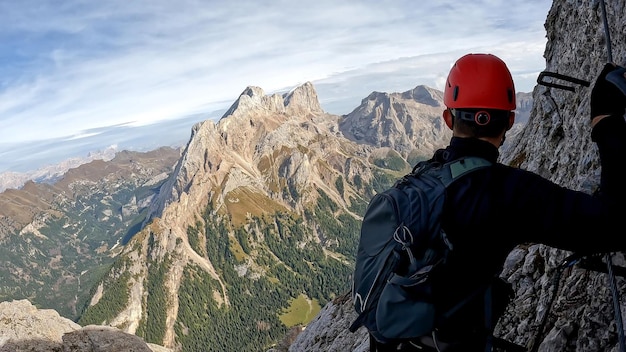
{"x": 81, "y": 75}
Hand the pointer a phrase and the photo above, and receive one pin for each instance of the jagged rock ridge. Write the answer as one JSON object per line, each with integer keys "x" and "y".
{"x": 386, "y": 120}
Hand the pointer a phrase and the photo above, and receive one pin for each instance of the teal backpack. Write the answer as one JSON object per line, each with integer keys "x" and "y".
{"x": 401, "y": 245}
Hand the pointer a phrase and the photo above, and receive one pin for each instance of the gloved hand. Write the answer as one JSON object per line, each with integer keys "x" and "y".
{"x": 606, "y": 98}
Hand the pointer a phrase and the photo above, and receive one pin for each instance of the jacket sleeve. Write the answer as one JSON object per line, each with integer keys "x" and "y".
{"x": 582, "y": 223}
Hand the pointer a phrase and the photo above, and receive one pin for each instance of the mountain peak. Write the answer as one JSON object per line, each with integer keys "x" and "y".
{"x": 253, "y": 98}
{"x": 420, "y": 94}
{"x": 424, "y": 95}
{"x": 302, "y": 99}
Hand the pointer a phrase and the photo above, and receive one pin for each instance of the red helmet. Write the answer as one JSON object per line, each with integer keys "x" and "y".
{"x": 479, "y": 81}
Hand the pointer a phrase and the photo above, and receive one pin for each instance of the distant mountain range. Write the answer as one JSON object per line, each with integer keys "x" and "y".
{"x": 51, "y": 171}
{"x": 58, "y": 238}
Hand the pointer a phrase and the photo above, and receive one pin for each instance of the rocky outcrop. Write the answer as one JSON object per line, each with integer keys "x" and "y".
{"x": 303, "y": 100}
{"x": 329, "y": 330}
{"x": 24, "y": 328}
{"x": 408, "y": 122}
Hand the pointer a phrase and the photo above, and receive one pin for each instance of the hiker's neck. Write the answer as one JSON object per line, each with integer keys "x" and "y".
{"x": 496, "y": 141}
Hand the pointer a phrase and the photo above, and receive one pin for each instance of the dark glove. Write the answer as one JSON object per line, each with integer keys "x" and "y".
{"x": 606, "y": 98}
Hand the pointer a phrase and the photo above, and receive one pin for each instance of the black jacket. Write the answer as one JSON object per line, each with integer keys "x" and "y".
{"x": 491, "y": 211}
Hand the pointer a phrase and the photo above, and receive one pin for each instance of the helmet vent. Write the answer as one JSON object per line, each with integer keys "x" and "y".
{"x": 455, "y": 94}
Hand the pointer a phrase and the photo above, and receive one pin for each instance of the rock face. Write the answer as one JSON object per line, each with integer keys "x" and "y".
{"x": 24, "y": 328}
{"x": 387, "y": 120}
{"x": 329, "y": 330}
{"x": 554, "y": 143}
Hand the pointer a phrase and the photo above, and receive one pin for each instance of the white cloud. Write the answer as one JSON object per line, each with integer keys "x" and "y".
{"x": 74, "y": 66}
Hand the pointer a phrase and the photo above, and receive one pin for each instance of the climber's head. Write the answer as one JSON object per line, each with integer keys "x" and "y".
{"x": 479, "y": 96}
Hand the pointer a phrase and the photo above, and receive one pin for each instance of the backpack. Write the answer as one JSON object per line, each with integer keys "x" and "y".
{"x": 401, "y": 245}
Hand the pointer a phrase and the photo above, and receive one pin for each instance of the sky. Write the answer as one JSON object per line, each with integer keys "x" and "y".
{"x": 78, "y": 76}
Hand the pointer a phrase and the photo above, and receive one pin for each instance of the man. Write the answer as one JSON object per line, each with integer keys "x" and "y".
{"x": 490, "y": 211}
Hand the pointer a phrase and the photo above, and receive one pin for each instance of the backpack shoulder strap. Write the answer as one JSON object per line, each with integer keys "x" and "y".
{"x": 462, "y": 166}
{"x": 452, "y": 170}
